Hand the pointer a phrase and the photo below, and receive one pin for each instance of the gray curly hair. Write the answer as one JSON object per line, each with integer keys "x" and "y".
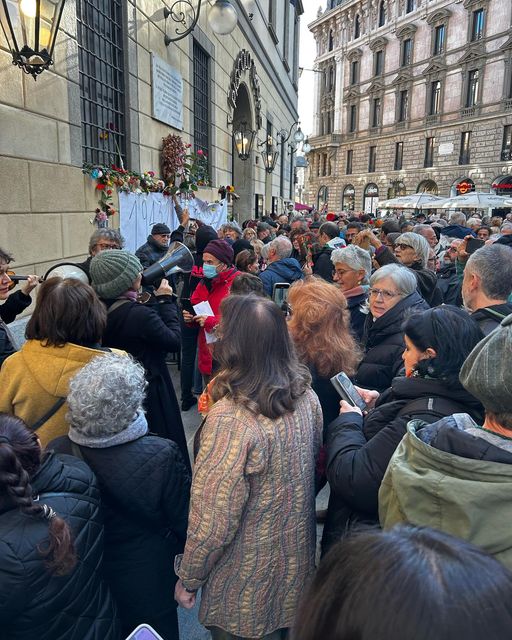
{"x": 105, "y": 395}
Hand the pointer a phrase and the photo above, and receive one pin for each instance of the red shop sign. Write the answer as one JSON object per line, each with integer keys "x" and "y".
{"x": 465, "y": 186}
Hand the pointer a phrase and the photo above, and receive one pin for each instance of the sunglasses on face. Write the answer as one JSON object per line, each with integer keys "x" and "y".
{"x": 402, "y": 246}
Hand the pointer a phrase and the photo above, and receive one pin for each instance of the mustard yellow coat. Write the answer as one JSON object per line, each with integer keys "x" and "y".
{"x": 35, "y": 377}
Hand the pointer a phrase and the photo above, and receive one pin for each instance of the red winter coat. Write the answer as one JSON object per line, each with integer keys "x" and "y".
{"x": 221, "y": 285}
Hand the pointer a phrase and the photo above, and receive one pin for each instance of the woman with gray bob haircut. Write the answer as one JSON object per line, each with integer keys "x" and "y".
{"x": 352, "y": 269}
{"x": 393, "y": 297}
{"x": 144, "y": 486}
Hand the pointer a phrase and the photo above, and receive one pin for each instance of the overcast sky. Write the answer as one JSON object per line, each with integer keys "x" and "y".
{"x": 307, "y": 54}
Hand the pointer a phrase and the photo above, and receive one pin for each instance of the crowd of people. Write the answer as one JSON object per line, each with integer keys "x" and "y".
{"x": 107, "y": 522}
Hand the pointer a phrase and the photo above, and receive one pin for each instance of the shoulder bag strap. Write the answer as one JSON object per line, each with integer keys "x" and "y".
{"x": 52, "y": 411}
{"x": 115, "y": 305}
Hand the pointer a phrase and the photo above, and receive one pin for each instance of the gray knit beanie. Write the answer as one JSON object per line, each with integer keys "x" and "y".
{"x": 487, "y": 373}
{"x": 113, "y": 272}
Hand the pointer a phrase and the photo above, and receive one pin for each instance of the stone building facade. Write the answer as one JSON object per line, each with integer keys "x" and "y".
{"x": 102, "y": 81}
{"x": 411, "y": 95}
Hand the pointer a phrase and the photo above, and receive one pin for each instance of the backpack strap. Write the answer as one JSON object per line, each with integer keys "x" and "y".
{"x": 52, "y": 411}
{"x": 437, "y": 407}
{"x": 493, "y": 313}
{"x": 115, "y": 305}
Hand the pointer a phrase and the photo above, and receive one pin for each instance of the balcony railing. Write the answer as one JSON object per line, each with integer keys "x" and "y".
{"x": 468, "y": 112}
{"x": 326, "y": 140}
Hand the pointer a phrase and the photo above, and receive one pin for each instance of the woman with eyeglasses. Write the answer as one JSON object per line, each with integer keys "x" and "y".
{"x": 411, "y": 250}
{"x": 14, "y": 304}
{"x": 352, "y": 269}
{"x": 392, "y": 296}
{"x": 359, "y": 448}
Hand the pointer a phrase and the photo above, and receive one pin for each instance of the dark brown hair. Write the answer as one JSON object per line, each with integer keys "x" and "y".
{"x": 409, "y": 582}
{"x": 67, "y": 310}
{"x": 259, "y": 366}
{"x": 245, "y": 283}
{"x": 245, "y": 258}
{"x": 20, "y": 458}
{"x": 320, "y": 327}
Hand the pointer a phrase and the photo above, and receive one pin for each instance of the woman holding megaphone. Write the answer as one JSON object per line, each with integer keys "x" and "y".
{"x": 146, "y": 331}
{"x": 15, "y": 303}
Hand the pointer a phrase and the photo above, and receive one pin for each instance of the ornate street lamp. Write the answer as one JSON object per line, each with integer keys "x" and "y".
{"x": 243, "y": 137}
{"x": 30, "y": 28}
{"x": 222, "y": 18}
{"x": 269, "y": 155}
{"x": 306, "y": 147}
{"x": 298, "y": 136}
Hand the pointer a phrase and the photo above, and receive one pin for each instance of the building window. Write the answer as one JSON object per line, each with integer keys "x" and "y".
{"x": 403, "y": 107}
{"x": 435, "y": 98}
{"x": 354, "y": 72}
{"x": 429, "y": 152}
{"x": 324, "y": 164}
{"x": 330, "y": 86}
{"x": 506, "y": 147}
{"x": 102, "y": 91}
{"x": 439, "y": 39}
{"x": 357, "y": 27}
{"x": 477, "y": 25}
{"x": 331, "y": 41}
{"x": 350, "y": 157}
{"x": 352, "y": 122}
{"x": 406, "y": 52}
{"x": 378, "y": 63}
{"x": 372, "y": 158}
{"x": 409, "y": 6}
{"x": 382, "y": 14}
{"x": 399, "y": 155}
{"x": 472, "y": 91}
{"x": 465, "y": 141}
{"x": 201, "y": 99}
{"x": 376, "y": 112}
{"x": 349, "y": 198}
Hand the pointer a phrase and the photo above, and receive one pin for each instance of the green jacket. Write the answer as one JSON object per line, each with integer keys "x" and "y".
{"x": 468, "y": 498}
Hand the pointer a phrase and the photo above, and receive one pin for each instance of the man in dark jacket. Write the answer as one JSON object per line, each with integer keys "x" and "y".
{"x": 156, "y": 246}
{"x": 487, "y": 284}
{"x": 329, "y": 239}
{"x": 448, "y": 281}
{"x": 457, "y": 227}
{"x": 281, "y": 268}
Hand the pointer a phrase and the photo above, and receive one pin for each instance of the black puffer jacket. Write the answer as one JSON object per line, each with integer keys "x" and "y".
{"x": 449, "y": 284}
{"x": 151, "y": 252}
{"x": 489, "y": 318}
{"x": 358, "y": 451}
{"x": 14, "y": 304}
{"x": 383, "y": 341}
{"x": 145, "y": 489}
{"x": 35, "y": 604}
{"x": 322, "y": 265}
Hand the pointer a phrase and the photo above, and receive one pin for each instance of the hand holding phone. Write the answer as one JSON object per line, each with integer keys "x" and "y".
{"x": 341, "y": 382}
{"x": 474, "y": 244}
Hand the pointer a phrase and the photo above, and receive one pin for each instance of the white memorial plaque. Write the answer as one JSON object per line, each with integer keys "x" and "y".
{"x": 167, "y": 93}
{"x": 445, "y": 148}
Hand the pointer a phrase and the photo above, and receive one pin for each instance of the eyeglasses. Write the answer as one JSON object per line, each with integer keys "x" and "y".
{"x": 386, "y": 295}
{"x": 340, "y": 273}
{"x": 104, "y": 246}
{"x": 402, "y": 246}
{"x": 452, "y": 249}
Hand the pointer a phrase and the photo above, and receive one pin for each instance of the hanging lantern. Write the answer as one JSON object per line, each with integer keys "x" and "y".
{"x": 269, "y": 155}
{"x": 243, "y": 137}
{"x": 30, "y": 28}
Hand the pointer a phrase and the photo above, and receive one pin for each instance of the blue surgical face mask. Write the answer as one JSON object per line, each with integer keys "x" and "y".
{"x": 209, "y": 271}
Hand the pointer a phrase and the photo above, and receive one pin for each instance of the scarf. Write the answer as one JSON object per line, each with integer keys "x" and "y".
{"x": 129, "y": 295}
{"x": 356, "y": 291}
{"x": 134, "y": 431}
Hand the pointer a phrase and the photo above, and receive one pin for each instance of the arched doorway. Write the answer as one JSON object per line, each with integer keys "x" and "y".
{"x": 322, "y": 198}
{"x": 348, "y": 200}
{"x": 461, "y": 187}
{"x": 371, "y": 197}
{"x": 243, "y": 170}
{"x": 502, "y": 186}
{"x": 427, "y": 186}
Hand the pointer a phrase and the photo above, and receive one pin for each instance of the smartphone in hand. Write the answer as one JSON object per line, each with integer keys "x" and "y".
{"x": 341, "y": 382}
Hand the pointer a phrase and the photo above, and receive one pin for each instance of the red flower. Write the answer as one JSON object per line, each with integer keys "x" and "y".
{"x": 100, "y": 186}
{"x": 200, "y": 152}
{"x": 109, "y": 192}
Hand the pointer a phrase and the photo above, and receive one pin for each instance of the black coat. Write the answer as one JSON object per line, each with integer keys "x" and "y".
{"x": 359, "y": 450}
{"x": 148, "y": 332}
{"x": 328, "y": 396}
{"x": 357, "y": 316}
{"x": 322, "y": 265}
{"x": 489, "y": 318}
{"x": 145, "y": 489}
{"x": 384, "y": 344}
{"x": 449, "y": 284}
{"x": 15, "y": 303}
{"x": 151, "y": 252}
{"x": 35, "y": 604}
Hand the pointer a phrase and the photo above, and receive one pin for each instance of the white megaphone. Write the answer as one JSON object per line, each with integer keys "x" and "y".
{"x": 178, "y": 258}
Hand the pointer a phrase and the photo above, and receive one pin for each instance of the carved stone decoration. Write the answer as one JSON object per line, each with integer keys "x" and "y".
{"x": 245, "y": 64}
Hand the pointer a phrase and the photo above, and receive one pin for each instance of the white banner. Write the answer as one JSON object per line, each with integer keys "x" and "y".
{"x": 138, "y": 212}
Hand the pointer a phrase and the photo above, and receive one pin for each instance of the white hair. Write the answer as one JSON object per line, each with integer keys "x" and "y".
{"x": 418, "y": 243}
{"x": 457, "y": 217}
{"x": 282, "y": 246}
{"x": 105, "y": 395}
{"x": 355, "y": 257}
{"x": 404, "y": 279}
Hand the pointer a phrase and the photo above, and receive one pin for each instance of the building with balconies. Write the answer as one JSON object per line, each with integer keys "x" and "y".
{"x": 410, "y": 95}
